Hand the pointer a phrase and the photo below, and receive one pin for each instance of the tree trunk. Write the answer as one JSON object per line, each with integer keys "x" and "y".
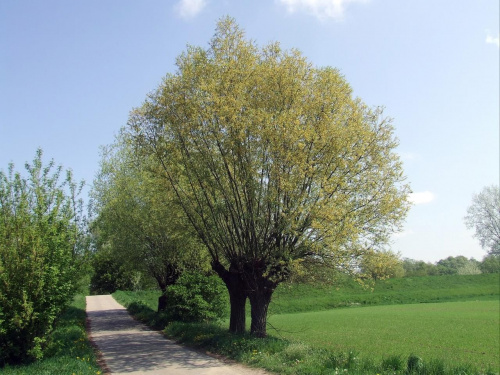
{"x": 237, "y": 319}
{"x": 162, "y": 302}
{"x": 237, "y": 296}
{"x": 259, "y": 303}
{"x": 168, "y": 275}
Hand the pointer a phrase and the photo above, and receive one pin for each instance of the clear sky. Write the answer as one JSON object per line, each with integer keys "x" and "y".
{"x": 70, "y": 72}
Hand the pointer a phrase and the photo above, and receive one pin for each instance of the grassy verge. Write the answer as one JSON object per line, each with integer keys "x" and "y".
{"x": 69, "y": 351}
{"x": 381, "y": 355}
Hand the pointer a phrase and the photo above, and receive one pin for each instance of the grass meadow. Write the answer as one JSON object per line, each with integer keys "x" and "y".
{"x": 427, "y": 325}
{"x": 460, "y": 332}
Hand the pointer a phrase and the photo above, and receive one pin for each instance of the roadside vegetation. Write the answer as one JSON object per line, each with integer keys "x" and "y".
{"x": 68, "y": 349}
{"x": 42, "y": 255}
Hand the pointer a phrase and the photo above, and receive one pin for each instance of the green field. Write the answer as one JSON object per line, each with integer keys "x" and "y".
{"x": 459, "y": 332}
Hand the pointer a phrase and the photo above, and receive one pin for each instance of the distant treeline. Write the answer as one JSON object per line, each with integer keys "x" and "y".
{"x": 458, "y": 265}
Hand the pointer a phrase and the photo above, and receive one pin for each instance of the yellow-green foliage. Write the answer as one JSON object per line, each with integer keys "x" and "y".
{"x": 380, "y": 265}
{"x": 69, "y": 350}
{"x": 272, "y": 159}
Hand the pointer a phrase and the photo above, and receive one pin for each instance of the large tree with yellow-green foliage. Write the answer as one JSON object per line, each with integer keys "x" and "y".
{"x": 273, "y": 161}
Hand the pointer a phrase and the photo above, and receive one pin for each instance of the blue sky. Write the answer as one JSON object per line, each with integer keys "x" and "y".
{"x": 70, "y": 72}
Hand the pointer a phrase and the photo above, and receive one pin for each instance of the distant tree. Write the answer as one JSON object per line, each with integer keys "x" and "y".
{"x": 41, "y": 225}
{"x": 414, "y": 268}
{"x": 380, "y": 265}
{"x": 471, "y": 268}
{"x": 273, "y": 161}
{"x": 490, "y": 264}
{"x": 458, "y": 265}
{"x": 483, "y": 215}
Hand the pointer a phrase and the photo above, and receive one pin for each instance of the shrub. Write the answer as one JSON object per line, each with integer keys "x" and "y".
{"x": 39, "y": 232}
{"x": 197, "y": 298}
{"x": 380, "y": 265}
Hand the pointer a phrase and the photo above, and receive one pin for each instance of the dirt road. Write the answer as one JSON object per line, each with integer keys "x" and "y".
{"x": 129, "y": 347}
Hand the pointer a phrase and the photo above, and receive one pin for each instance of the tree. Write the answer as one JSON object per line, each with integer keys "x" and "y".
{"x": 471, "y": 268}
{"x": 490, "y": 264}
{"x": 414, "y": 267}
{"x": 458, "y": 265}
{"x": 109, "y": 273}
{"x": 380, "y": 265}
{"x": 137, "y": 219}
{"x": 273, "y": 162}
{"x": 40, "y": 229}
{"x": 484, "y": 216}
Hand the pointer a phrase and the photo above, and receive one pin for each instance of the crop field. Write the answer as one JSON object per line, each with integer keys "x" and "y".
{"x": 460, "y": 332}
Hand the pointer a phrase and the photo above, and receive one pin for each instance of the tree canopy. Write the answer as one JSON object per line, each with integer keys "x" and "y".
{"x": 272, "y": 160}
{"x": 483, "y": 215}
{"x": 137, "y": 220}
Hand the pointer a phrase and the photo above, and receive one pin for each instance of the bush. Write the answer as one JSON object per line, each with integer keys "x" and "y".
{"x": 197, "y": 298}
{"x": 380, "y": 265}
{"x": 39, "y": 232}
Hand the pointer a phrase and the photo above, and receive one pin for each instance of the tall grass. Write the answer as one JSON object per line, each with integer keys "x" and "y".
{"x": 69, "y": 351}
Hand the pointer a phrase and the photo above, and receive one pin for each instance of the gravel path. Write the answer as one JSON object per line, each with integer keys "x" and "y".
{"x": 130, "y": 347}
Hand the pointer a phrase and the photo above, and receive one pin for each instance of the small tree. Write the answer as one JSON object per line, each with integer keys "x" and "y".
{"x": 458, "y": 265}
{"x": 109, "y": 273}
{"x": 40, "y": 227}
{"x": 471, "y": 268}
{"x": 380, "y": 265}
{"x": 483, "y": 215}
